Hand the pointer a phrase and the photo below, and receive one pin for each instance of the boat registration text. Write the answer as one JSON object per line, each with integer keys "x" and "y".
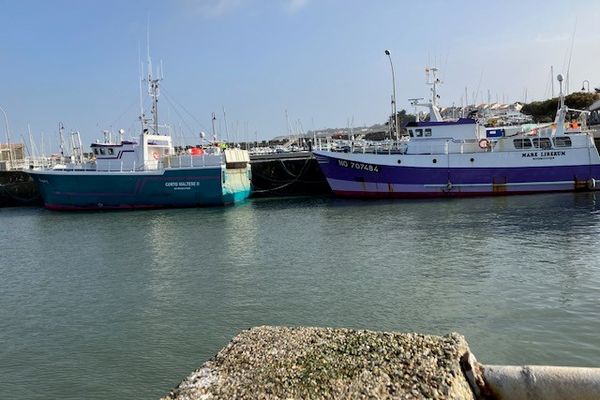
{"x": 358, "y": 165}
{"x": 182, "y": 185}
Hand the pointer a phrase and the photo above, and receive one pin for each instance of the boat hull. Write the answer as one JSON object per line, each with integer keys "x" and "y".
{"x": 185, "y": 187}
{"x": 349, "y": 177}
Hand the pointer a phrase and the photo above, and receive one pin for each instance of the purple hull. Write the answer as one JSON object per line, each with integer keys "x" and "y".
{"x": 403, "y": 181}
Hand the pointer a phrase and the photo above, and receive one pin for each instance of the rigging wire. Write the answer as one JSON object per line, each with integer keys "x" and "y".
{"x": 179, "y": 114}
{"x": 167, "y": 93}
{"x": 129, "y": 107}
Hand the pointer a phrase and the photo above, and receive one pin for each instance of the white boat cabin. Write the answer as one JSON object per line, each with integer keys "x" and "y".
{"x": 131, "y": 155}
{"x": 466, "y": 135}
{"x": 462, "y": 128}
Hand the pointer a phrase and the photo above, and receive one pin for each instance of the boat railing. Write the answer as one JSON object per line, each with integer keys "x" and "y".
{"x": 29, "y": 163}
{"x": 175, "y": 161}
{"x": 383, "y": 147}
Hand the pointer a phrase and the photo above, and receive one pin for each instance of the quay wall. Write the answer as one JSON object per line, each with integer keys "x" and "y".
{"x": 17, "y": 189}
{"x": 287, "y": 174}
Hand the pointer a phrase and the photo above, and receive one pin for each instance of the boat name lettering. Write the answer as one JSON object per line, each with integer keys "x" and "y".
{"x": 358, "y": 165}
{"x": 182, "y": 184}
{"x": 543, "y": 154}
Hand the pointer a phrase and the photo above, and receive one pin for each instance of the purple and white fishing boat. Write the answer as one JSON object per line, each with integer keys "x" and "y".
{"x": 463, "y": 157}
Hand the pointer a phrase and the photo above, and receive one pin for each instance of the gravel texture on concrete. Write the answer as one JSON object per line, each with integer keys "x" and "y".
{"x": 324, "y": 363}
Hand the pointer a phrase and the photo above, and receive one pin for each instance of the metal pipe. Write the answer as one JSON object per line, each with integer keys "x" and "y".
{"x": 542, "y": 382}
{"x": 530, "y": 382}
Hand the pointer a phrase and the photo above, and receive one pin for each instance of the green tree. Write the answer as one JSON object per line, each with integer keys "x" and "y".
{"x": 545, "y": 111}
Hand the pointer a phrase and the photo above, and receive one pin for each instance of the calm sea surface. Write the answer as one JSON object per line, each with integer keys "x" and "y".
{"x": 125, "y": 304}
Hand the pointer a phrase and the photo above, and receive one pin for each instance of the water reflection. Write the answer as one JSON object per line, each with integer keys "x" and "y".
{"x": 140, "y": 299}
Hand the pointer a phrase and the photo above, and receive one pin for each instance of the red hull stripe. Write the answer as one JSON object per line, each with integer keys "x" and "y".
{"x": 426, "y": 195}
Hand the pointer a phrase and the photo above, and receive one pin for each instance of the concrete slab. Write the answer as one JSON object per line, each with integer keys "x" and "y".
{"x": 322, "y": 363}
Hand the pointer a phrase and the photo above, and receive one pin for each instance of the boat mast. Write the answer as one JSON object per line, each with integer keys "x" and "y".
{"x": 153, "y": 91}
{"x": 141, "y": 78}
{"x": 433, "y": 81}
{"x": 153, "y": 88}
{"x": 214, "y": 132}
{"x": 560, "y": 117}
{"x": 61, "y": 136}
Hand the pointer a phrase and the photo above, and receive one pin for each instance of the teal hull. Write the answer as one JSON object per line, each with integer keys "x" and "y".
{"x": 185, "y": 187}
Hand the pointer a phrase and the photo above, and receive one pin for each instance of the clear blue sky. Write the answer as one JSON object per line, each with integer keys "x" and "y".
{"x": 323, "y": 61}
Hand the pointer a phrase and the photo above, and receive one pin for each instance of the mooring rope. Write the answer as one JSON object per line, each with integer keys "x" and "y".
{"x": 295, "y": 180}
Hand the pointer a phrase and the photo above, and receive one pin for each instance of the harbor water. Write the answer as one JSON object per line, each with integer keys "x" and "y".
{"x": 106, "y": 305}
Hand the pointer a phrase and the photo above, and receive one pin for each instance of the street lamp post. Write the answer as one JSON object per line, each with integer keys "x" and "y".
{"x": 10, "y": 154}
{"x": 394, "y": 111}
{"x": 583, "y": 86}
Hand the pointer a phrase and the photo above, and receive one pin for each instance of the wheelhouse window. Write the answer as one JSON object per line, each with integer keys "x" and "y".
{"x": 418, "y": 132}
{"x": 102, "y": 151}
{"x": 427, "y": 132}
{"x": 111, "y": 151}
{"x": 542, "y": 143}
{"x": 410, "y": 133}
{"x": 562, "y": 142}
{"x": 96, "y": 151}
{"x": 522, "y": 143}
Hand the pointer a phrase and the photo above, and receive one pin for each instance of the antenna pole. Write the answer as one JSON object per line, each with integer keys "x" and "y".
{"x": 214, "y": 119}
{"x": 153, "y": 84}
{"x": 552, "y": 78}
{"x": 226, "y": 127}
{"x": 570, "y": 56}
{"x": 141, "y": 78}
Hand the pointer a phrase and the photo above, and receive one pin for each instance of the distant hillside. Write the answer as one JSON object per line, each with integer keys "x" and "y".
{"x": 545, "y": 111}
{"x": 373, "y": 132}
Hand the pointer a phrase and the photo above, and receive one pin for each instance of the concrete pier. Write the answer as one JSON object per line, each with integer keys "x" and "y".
{"x": 324, "y": 363}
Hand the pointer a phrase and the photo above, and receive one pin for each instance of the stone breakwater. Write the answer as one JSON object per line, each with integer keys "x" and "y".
{"x": 324, "y": 363}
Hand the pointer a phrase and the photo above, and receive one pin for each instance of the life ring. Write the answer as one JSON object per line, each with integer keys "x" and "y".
{"x": 155, "y": 155}
{"x": 484, "y": 143}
